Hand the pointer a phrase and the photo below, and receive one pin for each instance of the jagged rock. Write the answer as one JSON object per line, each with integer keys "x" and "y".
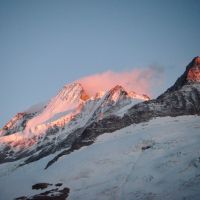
{"x": 17, "y": 123}
{"x": 53, "y": 194}
{"x": 41, "y": 186}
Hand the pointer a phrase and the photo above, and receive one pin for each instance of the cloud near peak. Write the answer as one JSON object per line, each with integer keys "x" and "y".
{"x": 138, "y": 80}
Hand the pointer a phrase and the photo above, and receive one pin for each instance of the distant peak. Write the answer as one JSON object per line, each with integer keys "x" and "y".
{"x": 193, "y": 70}
{"x": 197, "y": 60}
{"x": 73, "y": 85}
{"x": 190, "y": 76}
{"x": 117, "y": 88}
{"x": 116, "y": 93}
{"x": 73, "y": 92}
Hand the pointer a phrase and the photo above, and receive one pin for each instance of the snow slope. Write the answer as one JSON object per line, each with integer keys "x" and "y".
{"x": 159, "y": 159}
{"x": 36, "y": 134}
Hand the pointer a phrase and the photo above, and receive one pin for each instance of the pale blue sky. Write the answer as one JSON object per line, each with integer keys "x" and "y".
{"x": 47, "y": 43}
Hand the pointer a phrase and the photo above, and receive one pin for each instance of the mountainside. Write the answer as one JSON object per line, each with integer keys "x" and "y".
{"x": 144, "y": 158}
{"x": 73, "y": 119}
{"x": 56, "y": 125}
{"x": 183, "y": 98}
{"x": 159, "y": 160}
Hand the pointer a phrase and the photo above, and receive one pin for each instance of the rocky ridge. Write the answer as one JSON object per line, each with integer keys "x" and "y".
{"x": 183, "y": 98}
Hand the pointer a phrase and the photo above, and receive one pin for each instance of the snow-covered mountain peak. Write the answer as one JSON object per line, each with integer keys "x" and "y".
{"x": 117, "y": 93}
{"x": 72, "y": 93}
{"x": 65, "y": 103}
{"x": 118, "y": 88}
{"x": 71, "y": 110}
{"x": 134, "y": 95}
{"x": 113, "y": 94}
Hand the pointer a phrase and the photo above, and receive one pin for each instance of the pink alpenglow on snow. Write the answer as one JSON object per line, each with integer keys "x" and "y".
{"x": 140, "y": 81}
{"x": 75, "y": 104}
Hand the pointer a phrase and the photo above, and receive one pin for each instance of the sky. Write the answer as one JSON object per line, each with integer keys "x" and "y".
{"x": 45, "y": 44}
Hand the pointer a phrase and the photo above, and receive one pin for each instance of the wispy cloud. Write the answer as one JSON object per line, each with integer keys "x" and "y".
{"x": 141, "y": 81}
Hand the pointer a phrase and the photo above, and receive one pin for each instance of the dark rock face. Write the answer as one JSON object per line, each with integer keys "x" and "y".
{"x": 53, "y": 194}
{"x": 58, "y": 184}
{"x": 146, "y": 147}
{"x": 41, "y": 186}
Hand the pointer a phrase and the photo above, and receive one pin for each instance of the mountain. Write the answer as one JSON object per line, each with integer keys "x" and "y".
{"x": 157, "y": 160}
{"x": 152, "y": 153}
{"x": 183, "y": 98}
{"x": 39, "y": 132}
